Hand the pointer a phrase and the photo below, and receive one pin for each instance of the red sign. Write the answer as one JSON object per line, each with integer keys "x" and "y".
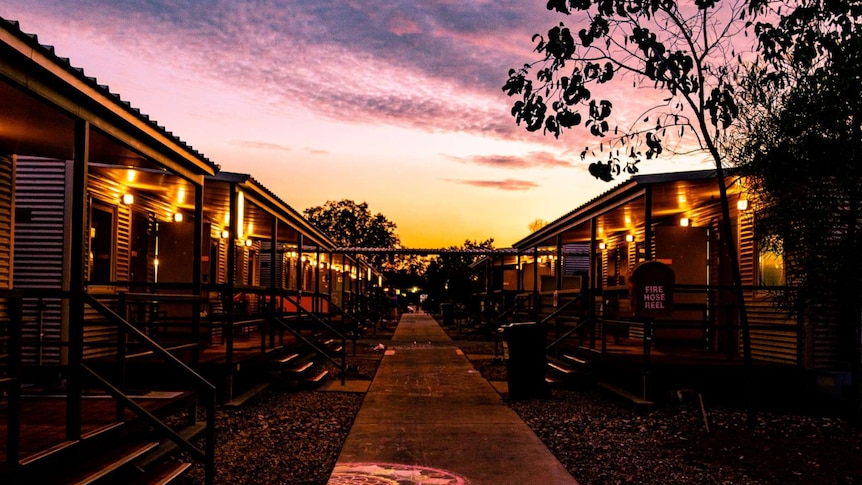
{"x": 652, "y": 290}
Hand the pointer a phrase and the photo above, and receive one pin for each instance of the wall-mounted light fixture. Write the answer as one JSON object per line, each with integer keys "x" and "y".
{"x": 225, "y": 234}
{"x": 742, "y": 204}
{"x": 240, "y": 210}
{"x": 248, "y": 243}
{"x": 128, "y": 199}
{"x": 630, "y": 237}
{"x": 602, "y": 245}
{"x": 685, "y": 222}
{"x": 178, "y": 217}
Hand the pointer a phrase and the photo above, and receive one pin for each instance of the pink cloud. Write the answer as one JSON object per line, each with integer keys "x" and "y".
{"x": 260, "y": 145}
{"x": 508, "y": 184}
{"x": 400, "y": 25}
{"x": 530, "y": 160}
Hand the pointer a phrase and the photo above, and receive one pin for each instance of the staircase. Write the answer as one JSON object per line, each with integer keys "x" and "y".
{"x": 94, "y": 425}
{"x": 320, "y": 345}
{"x": 567, "y": 369}
{"x": 576, "y": 367}
{"x": 121, "y": 453}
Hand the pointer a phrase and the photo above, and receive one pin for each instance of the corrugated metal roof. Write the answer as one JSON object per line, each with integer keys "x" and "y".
{"x": 634, "y": 181}
{"x": 13, "y": 26}
{"x": 246, "y": 178}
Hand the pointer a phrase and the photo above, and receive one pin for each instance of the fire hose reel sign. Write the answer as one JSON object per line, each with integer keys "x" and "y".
{"x": 652, "y": 290}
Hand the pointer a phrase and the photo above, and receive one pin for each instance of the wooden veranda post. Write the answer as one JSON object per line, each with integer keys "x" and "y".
{"x": 77, "y": 284}
{"x": 227, "y": 331}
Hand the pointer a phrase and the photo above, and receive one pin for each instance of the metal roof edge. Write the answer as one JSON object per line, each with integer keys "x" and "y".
{"x": 633, "y": 182}
{"x": 32, "y": 40}
{"x": 249, "y": 182}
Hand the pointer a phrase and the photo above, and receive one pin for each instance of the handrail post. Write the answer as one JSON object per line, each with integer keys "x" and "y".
{"x": 13, "y": 432}
{"x": 209, "y": 465}
{"x": 800, "y": 333}
{"x": 646, "y": 358}
{"x": 344, "y": 359}
{"x": 123, "y": 311}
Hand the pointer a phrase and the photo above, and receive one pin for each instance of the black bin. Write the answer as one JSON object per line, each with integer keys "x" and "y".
{"x": 526, "y": 365}
{"x": 448, "y": 310}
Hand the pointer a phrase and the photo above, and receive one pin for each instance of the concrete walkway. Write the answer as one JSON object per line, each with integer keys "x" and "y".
{"x": 429, "y": 417}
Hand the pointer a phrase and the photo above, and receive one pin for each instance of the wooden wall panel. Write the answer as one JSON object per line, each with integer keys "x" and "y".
{"x": 40, "y": 241}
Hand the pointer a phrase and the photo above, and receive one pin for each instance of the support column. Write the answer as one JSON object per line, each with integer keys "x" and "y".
{"x": 77, "y": 280}
{"x": 299, "y": 275}
{"x": 558, "y": 264}
{"x": 535, "y": 269}
{"x": 273, "y": 284}
{"x": 197, "y": 265}
{"x": 317, "y": 307}
{"x": 648, "y": 253}
{"x": 227, "y": 331}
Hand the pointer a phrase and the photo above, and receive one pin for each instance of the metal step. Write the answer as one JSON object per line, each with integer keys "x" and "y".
{"x": 575, "y": 360}
{"x": 162, "y": 474}
{"x": 287, "y": 358}
{"x": 300, "y": 368}
{"x": 559, "y": 368}
{"x": 103, "y": 465}
{"x": 317, "y": 378}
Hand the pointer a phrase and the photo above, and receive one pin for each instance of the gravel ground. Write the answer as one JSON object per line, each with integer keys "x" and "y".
{"x": 294, "y": 437}
{"x": 602, "y": 439}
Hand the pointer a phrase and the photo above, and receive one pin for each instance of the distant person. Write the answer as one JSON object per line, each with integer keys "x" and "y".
{"x": 393, "y": 305}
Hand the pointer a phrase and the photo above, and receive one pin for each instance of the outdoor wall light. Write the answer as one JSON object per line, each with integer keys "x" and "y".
{"x": 128, "y": 199}
{"x": 685, "y": 222}
{"x": 742, "y": 204}
{"x": 225, "y": 234}
{"x": 602, "y": 245}
{"x": 630, "y": 238}
{"x": 248, "y": 243}
{"x": 178, "y": 217}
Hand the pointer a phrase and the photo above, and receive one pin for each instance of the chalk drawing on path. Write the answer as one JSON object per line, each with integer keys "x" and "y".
{"x": 391, "y": 474}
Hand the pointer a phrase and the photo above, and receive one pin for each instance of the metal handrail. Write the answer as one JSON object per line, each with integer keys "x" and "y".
{"x": 298, "y": 305}
{"x": 207, "y": 455}
{"x": 356, "y": 321}
{"x": 296, "y": 333}
{"x": 693, "y": 324}
{"x": 510, "y": 309}
{"x": 581, "y": 324}
{"x": 562, "y": 308}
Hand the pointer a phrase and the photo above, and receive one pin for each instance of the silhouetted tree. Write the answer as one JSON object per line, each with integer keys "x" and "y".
{"x": 801, "y": 147}
{"x": 449, "y": 276}
{"x": 537, "y": 224}
{"x": 681, "y": 50}
{"x": 349, "y": 224}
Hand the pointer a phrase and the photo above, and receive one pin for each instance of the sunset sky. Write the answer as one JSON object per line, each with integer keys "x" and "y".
{"x": 397, "y": 103}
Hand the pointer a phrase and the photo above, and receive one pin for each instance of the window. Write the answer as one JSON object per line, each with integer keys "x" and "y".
{"x": 770, "y": 264}
{"x": 102, "y": 237}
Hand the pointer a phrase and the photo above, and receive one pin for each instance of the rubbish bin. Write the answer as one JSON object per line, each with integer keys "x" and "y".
{"x": 448, "y": 310}
{"x": 526, "y": 363}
